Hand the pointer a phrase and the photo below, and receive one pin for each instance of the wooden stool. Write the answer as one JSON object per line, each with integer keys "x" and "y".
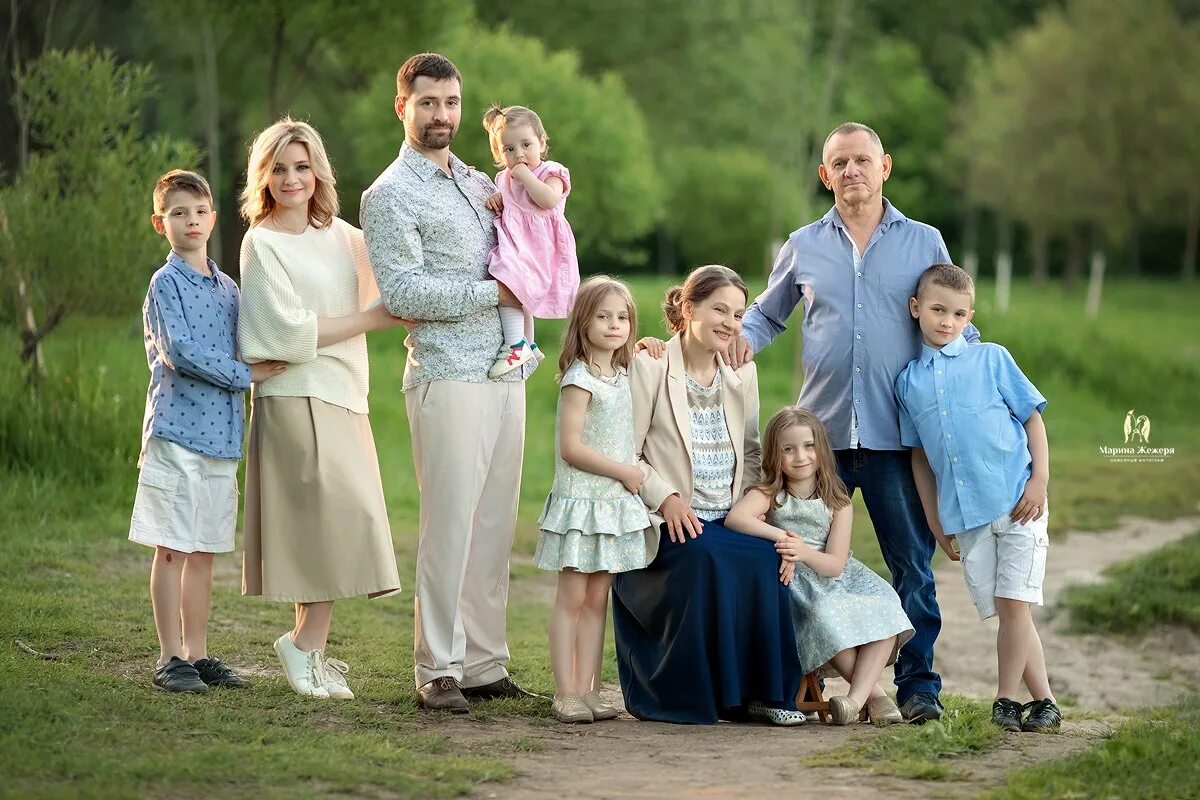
{"x": 810, "y": 698}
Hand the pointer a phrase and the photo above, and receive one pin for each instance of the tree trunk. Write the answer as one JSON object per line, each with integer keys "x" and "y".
{"x": 1075, "y": 254}
{"x": 1188, "y": 272}
{"x": 277, "y": 43}
{"x": 206, "y": 75}
{"x": 1096, "y": 278}
{"x": 970, "y": 260}
{"x": 1004, "y": 237}
{"x": 1133, "y": 249}
{"x": 1041, "y": 263}
{"x": 666, "y": 251}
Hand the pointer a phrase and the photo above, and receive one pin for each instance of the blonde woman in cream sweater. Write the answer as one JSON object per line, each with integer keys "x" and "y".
{"x": 316, "y": 527}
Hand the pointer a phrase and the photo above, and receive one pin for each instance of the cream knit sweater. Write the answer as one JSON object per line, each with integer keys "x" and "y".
{"x": 288, "y": 281}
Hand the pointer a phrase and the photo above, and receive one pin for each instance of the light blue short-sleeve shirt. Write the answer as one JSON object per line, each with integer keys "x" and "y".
{"x": 966, "y": 405}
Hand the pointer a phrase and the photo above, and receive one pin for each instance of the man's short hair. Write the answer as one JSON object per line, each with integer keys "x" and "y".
{"x": 853, "y": 127}
{"x": 950, "y": 276}
{"x": 180, "y": 180}
{"x": 429, "y": 65}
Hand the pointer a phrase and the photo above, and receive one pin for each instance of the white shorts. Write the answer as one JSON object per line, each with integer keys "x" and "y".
{"x": 185, "y": 501}
{"x": 1005, "y": 559}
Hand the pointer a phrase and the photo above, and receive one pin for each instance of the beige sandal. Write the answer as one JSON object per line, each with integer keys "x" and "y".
{"x": 843, "y": 710}
{"x": 599, "y": 708}
{"x": 883, "y": 711}
{"x": 571, "y": 708}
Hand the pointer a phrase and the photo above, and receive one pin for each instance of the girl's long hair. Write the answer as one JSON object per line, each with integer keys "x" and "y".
{"x": 257, "y": 202}
{"x": 829, "y": 487}
{"x": 575, "y": 344}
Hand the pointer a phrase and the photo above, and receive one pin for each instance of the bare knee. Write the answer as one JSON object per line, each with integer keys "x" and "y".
{"x": 1012, "y": 610}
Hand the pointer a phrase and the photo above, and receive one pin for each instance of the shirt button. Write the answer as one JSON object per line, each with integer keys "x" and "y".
{"x": 859, "y": 274}
{"x": 858, "y": 369}
{"x": 949, "y": 435}
{"x": 939, "y": 372}
{"x": 962, "y": 483}
{"x": 860, "y": 305}
{"x": 943, "y": 413}
{"x": 858, "y": 336}
{"x": 954, "y": 459}
{"x": 941, "y": 391}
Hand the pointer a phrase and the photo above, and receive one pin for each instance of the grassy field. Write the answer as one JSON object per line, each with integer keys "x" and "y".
{"x": 88, "y": 723}
{"x": 1161, "y": 588}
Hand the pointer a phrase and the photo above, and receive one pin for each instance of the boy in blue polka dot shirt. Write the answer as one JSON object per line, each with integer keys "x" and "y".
{"x": 981, "y": 462}
{"x": 187, "y": 495}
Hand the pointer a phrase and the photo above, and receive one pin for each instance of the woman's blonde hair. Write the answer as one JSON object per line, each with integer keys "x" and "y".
{"x": 575, "y": 344}
{"x": 496, "y": 119}
{"x": 697, "y": 287}
{"x": 257, "y": 202}
{"x": 828, "y": 484}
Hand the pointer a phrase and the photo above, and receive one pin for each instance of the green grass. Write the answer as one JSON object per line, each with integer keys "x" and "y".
{"x": 90, "y": 724}
{"x": 1157, "y": 589}
{"x": 1153, "y": 757}
{"x": 921, "y": 752}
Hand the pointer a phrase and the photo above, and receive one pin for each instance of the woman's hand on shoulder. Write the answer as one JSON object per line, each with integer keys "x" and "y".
{"x": 739, "y": 353}
{"x": 655, "y": 348}
{"x": 681, "y": 521}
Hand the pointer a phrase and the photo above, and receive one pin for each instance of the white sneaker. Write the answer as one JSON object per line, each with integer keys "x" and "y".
{"x": 304, "y": 671}
{"x": 335, "y": 678}
{"x": 510, "y": 358}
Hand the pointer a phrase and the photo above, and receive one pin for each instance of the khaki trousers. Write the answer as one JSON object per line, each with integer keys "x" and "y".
{"x": 468, "y": 440}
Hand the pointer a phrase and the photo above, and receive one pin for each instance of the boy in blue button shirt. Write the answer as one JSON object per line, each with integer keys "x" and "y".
{"x": 187, "y": 496}
{"x": 981, "y": 463}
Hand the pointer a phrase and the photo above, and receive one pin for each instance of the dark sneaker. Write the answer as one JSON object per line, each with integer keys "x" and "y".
{"x": 178, "y": 675}
{"x": 505, "y": 687}
{"x": 1007, "y": 714}
{"x": 443, "y": 694}
{"x": 1044, "y": 717}
{"x": 215, "y": 672}
{"x": 921, "y": 708}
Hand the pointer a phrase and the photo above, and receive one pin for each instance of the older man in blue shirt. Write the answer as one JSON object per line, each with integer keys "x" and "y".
{"x": 854, "y": 271}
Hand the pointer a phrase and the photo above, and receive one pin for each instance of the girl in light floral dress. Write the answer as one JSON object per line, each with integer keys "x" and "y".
{"x": 594, "y": 523}
{"x": 848, "y": 620}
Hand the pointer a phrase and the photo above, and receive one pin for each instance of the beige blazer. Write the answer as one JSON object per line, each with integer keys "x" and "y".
{"x": 662, "y": 427}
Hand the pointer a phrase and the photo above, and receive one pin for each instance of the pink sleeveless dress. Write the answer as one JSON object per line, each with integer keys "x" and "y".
{"x": 534, "y": 254}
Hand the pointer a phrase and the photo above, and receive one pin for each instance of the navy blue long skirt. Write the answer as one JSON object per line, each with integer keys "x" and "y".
{"x": 705, "y": 629}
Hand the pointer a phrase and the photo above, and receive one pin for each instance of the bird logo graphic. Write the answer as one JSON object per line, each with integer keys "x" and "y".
{"x": 1137, "y": 428}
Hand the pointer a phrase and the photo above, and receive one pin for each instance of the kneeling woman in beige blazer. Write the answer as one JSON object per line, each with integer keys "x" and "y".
{"x": 705, "y": 631}
{"x": 316, "y": 524}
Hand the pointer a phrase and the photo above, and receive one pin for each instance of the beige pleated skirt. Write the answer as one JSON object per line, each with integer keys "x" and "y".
{"x": 316, "y": 526}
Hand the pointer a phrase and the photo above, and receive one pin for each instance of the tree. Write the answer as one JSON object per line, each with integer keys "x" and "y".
{"x": 76, "y": 235}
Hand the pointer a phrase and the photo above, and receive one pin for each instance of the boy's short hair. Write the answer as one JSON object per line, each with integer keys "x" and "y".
{"x": 952, "y": 277}
{"x": 180, "y": 180}
{"x": 429, "y": 65}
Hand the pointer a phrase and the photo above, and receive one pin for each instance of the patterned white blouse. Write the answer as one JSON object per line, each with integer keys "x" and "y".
{"x": 713, "y": 459}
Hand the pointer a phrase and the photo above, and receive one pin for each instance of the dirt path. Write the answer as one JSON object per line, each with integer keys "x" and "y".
{"x": 630, "y": 759}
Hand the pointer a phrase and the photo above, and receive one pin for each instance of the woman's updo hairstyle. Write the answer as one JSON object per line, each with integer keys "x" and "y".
{"x": 697, "y": 287}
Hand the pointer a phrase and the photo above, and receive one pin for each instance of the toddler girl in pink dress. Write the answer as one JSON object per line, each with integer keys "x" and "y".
{"x": 535, "y": 248}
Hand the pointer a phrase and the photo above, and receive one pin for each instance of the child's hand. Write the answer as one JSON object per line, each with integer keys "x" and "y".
{"x": 495, "y": 203}
{"x": 947, "y": 544}
{"x": 520, "y": 171}
{"x": 262, "y": 370}
{"x": 681, "y": 520}
{"x": 1032, "y": 504}
{"x": 633, "y": 479}
{"x": 655, "y": 347}
{"x": 792, "y": 548}
{"x": 787, "y": 570}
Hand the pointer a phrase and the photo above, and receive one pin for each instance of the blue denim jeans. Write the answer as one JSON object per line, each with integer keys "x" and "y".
{"x": 886, "y": 481}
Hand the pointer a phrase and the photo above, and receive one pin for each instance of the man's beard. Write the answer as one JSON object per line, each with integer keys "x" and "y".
{"x": 436, "y": 139}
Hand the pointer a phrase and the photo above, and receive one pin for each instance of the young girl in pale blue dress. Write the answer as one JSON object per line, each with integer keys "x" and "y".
{"x": 594, "y": 522}
{"x": 848, "y": 620}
